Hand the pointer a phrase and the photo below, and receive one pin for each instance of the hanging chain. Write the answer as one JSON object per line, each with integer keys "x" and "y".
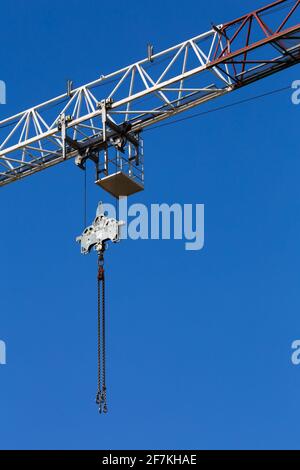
{"x": 101, "y": 391}
{"x": 85, "y": 198}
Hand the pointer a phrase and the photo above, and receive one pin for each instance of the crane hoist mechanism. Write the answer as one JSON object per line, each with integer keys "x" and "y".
{"x": 102, "y": 121}
{"x": 95, "y": 236}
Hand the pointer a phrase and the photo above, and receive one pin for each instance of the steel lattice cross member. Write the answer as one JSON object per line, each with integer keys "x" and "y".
{"x": 210, "y": 65}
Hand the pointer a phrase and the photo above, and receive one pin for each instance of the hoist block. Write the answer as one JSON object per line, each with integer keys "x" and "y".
{"x": 119, "y": 184}
{"x": 102, "y": 229}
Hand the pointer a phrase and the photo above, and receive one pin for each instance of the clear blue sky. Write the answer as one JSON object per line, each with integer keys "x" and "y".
{"x": 198, "y": 342}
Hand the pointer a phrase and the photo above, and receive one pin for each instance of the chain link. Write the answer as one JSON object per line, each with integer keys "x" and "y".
{"x": 103, "y": 347}
{"x": 101, "y": 351}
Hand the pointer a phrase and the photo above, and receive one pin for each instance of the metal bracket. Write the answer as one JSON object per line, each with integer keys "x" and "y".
{"x": 69, "y": 87}
{"x": 84, "y": 153}
{"x": 112, "y": 135}
{"x": 62, "y": 125}
{"x": 103, "y": 229}
{"x": 150, "y": 52}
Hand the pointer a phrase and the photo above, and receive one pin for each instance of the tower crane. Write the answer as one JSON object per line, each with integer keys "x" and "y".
{"x": 103, "y": 120}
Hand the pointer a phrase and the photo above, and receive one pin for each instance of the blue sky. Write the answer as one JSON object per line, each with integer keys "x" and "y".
{"x": 199, "y": 343}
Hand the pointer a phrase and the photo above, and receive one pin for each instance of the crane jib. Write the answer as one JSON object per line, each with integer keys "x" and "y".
{"x": 225, "y": 58}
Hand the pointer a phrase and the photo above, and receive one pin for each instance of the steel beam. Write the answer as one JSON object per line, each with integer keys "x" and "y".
{"x": 224, "y": 59}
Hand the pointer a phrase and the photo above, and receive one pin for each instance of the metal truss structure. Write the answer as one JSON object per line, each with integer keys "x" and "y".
{"x": 113, "y": 109}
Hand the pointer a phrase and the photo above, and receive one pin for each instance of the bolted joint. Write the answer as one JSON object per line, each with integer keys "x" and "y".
{"x": 105, "y": 104}
{"x": 63, "y": 121}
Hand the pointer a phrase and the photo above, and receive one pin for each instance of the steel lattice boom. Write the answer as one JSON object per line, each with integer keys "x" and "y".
{"x": 200, "y": 69}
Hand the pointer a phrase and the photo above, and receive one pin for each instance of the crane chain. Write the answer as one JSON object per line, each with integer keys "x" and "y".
{"x": 101, "y": 351}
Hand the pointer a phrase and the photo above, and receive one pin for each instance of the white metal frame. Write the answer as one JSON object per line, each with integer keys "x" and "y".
{"x": 142, "y": 93}
{"x": 31, "y": 140}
